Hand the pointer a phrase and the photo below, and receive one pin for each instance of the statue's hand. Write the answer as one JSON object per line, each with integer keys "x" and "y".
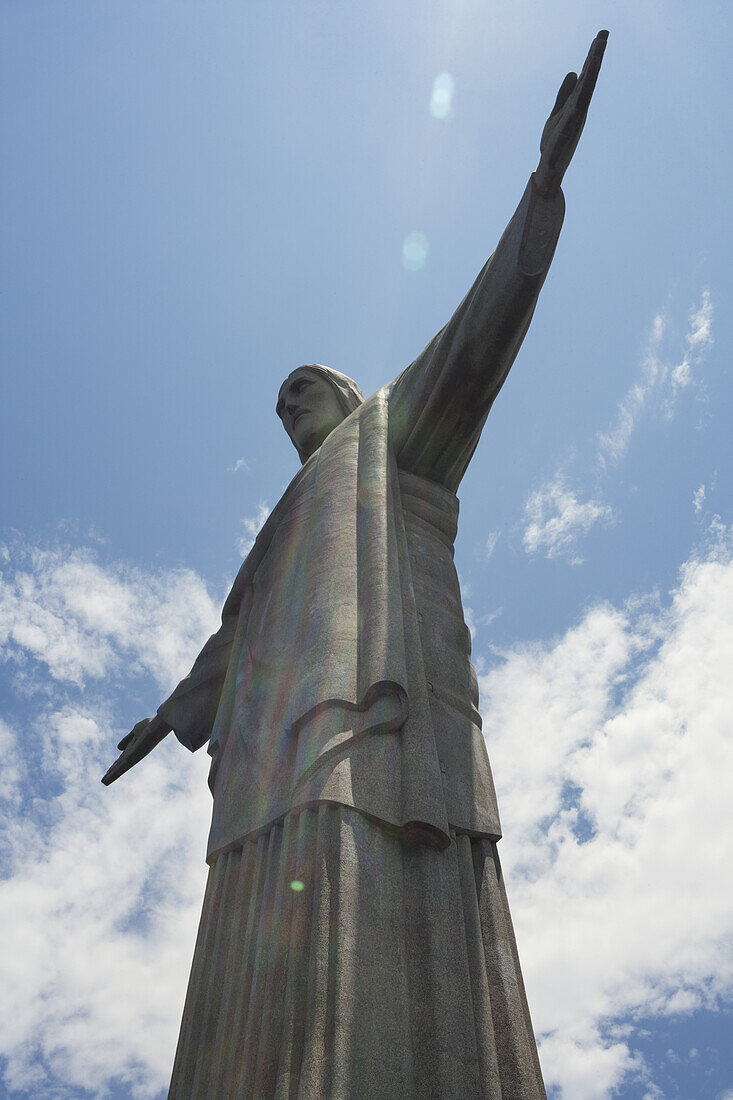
{"x": 136, "y": 745}
{"x": 136, "y": 734}
{"x": 565, "y": 125}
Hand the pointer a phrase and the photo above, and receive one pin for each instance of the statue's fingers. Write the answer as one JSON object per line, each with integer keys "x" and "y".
{"x": 126, "y": 760}
{"x": 597, "y": 48}
{"x": 586, "y": 89}
{"x": 593, "y": 59}
{"x": 112, "y": 773}
{"x": 565, "y": 89}
{"x": 138, "y": 728}
{"x": 589, "y": 74}
{"x": 135, "y": 747}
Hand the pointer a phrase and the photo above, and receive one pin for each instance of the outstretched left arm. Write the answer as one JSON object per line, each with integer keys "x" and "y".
{"x": 438, "y": 406}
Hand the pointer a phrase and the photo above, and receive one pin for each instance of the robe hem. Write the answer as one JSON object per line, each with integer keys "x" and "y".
{"x": 411, "y": 832}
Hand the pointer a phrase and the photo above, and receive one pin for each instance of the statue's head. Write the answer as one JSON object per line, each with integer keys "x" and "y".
{"x": 312, "y": 401}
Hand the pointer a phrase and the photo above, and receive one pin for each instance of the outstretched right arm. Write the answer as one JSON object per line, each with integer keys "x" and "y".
{"x": 190, "y": 710}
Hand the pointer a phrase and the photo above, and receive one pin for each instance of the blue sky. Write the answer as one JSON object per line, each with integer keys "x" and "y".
{"x": 198, "y": 197}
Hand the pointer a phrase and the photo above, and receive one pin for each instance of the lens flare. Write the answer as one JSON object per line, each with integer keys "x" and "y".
{"x": 297, "y": 885}
{"x": 441, "y": 98}
{"x": 414, "y": 251}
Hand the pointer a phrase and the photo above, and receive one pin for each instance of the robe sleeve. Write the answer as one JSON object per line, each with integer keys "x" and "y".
{"x": 438, "y": 406}
{"x": 191, "y": 708}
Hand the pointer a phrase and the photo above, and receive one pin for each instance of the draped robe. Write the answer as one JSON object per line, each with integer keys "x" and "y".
{"x": 340, "y": 682}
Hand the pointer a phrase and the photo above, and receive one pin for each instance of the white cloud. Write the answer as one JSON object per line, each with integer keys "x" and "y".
{"x": 612, "y": 754}
{"x": 658, "y": 381}
{"x": 611, "y": 749}
{"x": 99, "y": 914}
{"x": 698, "y": 341}
{"x": 584, "y": 1069}
{"x": 240, "y": 464}
{"x": 101, "y": 886}
{"x": 612, "y": 446}
{"x": 700, "y": 334}
{"x": 698, "y": 498}
{"x": 11, "y": 771}
{"x": 555, "y": 518}
{"x": 491, "y": 543}
{"x": 85, "y": 620}
{"x": 252, "y": 526}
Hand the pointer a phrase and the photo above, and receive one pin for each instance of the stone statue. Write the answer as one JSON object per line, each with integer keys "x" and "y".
{"x": 355, "y": 940}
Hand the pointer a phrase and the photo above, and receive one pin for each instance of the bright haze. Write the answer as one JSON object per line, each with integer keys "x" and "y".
{"x": 198, "y": 198}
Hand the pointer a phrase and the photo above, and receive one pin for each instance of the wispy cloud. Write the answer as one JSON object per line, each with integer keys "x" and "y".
{"x": 698, "y": 499}
{"x": 612, "y": 755}
{"x": 491, "y": 543}
{"x": 555, "y": 518}
{"x": 252, "y": 526}
{"x": 658, "y": 381}
{"x": 612, "y": 445}
{"x": 240, "y": 464}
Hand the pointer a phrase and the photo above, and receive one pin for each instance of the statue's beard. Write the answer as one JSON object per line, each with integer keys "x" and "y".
{"x": 310, "y": 444}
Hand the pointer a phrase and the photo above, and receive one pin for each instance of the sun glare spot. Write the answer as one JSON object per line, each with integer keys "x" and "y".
{"x": 414, "y": 251}
{"x": 441, "y": 98}
{"x": 297, "y": 885}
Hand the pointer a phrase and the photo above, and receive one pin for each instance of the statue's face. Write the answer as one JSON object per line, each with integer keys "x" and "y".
{"x": 309, "y": 410}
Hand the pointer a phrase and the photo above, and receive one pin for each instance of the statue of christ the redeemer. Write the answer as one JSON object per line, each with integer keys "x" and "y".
{"x": 355, "y": 941}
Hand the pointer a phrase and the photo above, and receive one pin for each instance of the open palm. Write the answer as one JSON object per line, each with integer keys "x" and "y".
{"x": 565, "y": 125}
